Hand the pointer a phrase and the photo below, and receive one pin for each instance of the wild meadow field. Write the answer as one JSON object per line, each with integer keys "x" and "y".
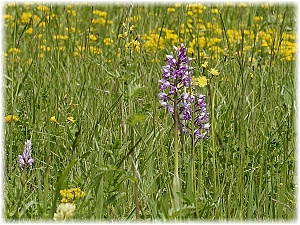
{"x": 105, "y": 120}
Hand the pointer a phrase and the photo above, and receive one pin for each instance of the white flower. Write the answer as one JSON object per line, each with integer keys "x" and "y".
{"x": 64, "y": 211}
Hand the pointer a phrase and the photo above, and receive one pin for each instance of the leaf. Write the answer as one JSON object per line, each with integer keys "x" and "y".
{"x": 287, "y": 96}
{"x": 61, "y": 182}
{"x": 107, "y": 168}
{"x": 184, "y": 211}
{"x": 26, "y": 207}
{"x": 138, "y": 91}
{"x": 135, "y": 118}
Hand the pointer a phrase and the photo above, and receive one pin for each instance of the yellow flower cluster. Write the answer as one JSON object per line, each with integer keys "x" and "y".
{"x": 100, "y": 13}
{"x": 134, "y": 44}
{"x": 102, "y": 20}
{"x": 11, "y": 118}
{"x": 69, "y": 195}
{"x": 153, "y": 41}
{"x": 14, "y": 50}
{"x": 25, "y": 17}
{"x": 196, "y": 28}
{"x": 108, "y": 41}
{"x": 8, "y": 17}
{"x": 42, "y": 8}
{"x": 207, "y": 35}
{"x": 92, "y": 37}
{"x": 70, "y": 119}
{"x": 60, "y": 37}
{"x": 91, "y": 49}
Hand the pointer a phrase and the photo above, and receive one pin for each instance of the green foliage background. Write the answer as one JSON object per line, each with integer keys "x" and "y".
{"x": 100, "y": 64}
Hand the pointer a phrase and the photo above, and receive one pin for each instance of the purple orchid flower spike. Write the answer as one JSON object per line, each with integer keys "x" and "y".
{"x": 26, "y": 159}
{"x": 176, "y": 80}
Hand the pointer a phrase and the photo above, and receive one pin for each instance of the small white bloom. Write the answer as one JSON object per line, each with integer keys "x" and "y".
{"x": 64, "y": 211}
{"x": 206, "y": 126}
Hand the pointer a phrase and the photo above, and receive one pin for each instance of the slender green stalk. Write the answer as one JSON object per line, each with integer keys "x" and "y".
{"x": 193, "y": 172}
{"x": 213, "y": 136}
{"x": 192, "y": 158}
{"x": 176, "y": 182}
{"x": 46, "y": 176}
{"x": 100, "y": 197}
{"x": 200, "y": 177}
{"x": 23, "y": 185}
{"x": 136, "y": 190}
{"x": 176, "y": 150}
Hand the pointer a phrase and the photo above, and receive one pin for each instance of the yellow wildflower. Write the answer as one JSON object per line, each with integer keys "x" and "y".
{"x": 29, "y": 31}
{"x": 200, "y": 81}
{"x": 190, "y": 13}
{"x": 8, "y": 17}
{"x": 68, "y": 195}
{"x": 213, "y": 72}
{"x": 11, "y": 118}
{"x": 100, "y": 13}
{"x": 61, "y": 37}
{"x": 25, "y": 17}
{"x": 72, "y": 29}
{"x": 243, "y": 5}
{"x": 214, "y": 11}
{"x": 14, "y": 50}
{"x": 93, "y": 37}
{"x": 42, "y": 24}
{"x": 42, "y": 8}
{"x": 29, "y": 61}
{"x": 136, "y": 45}
{"x": 72, "y": 12}
{"x": 36, "y": 19}
{"x": 71, "y": 119}
{"x": 257, "y": 18}
{"x": 108, "y": 41}
{"x": 204, "y": 65}
{"x": 95, "y": 50}
{"x": 53, "y": 119}
{"x": 99, "y": 21}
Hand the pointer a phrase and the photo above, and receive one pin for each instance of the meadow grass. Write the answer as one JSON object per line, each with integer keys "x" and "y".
{"x": 82, "y": 80}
